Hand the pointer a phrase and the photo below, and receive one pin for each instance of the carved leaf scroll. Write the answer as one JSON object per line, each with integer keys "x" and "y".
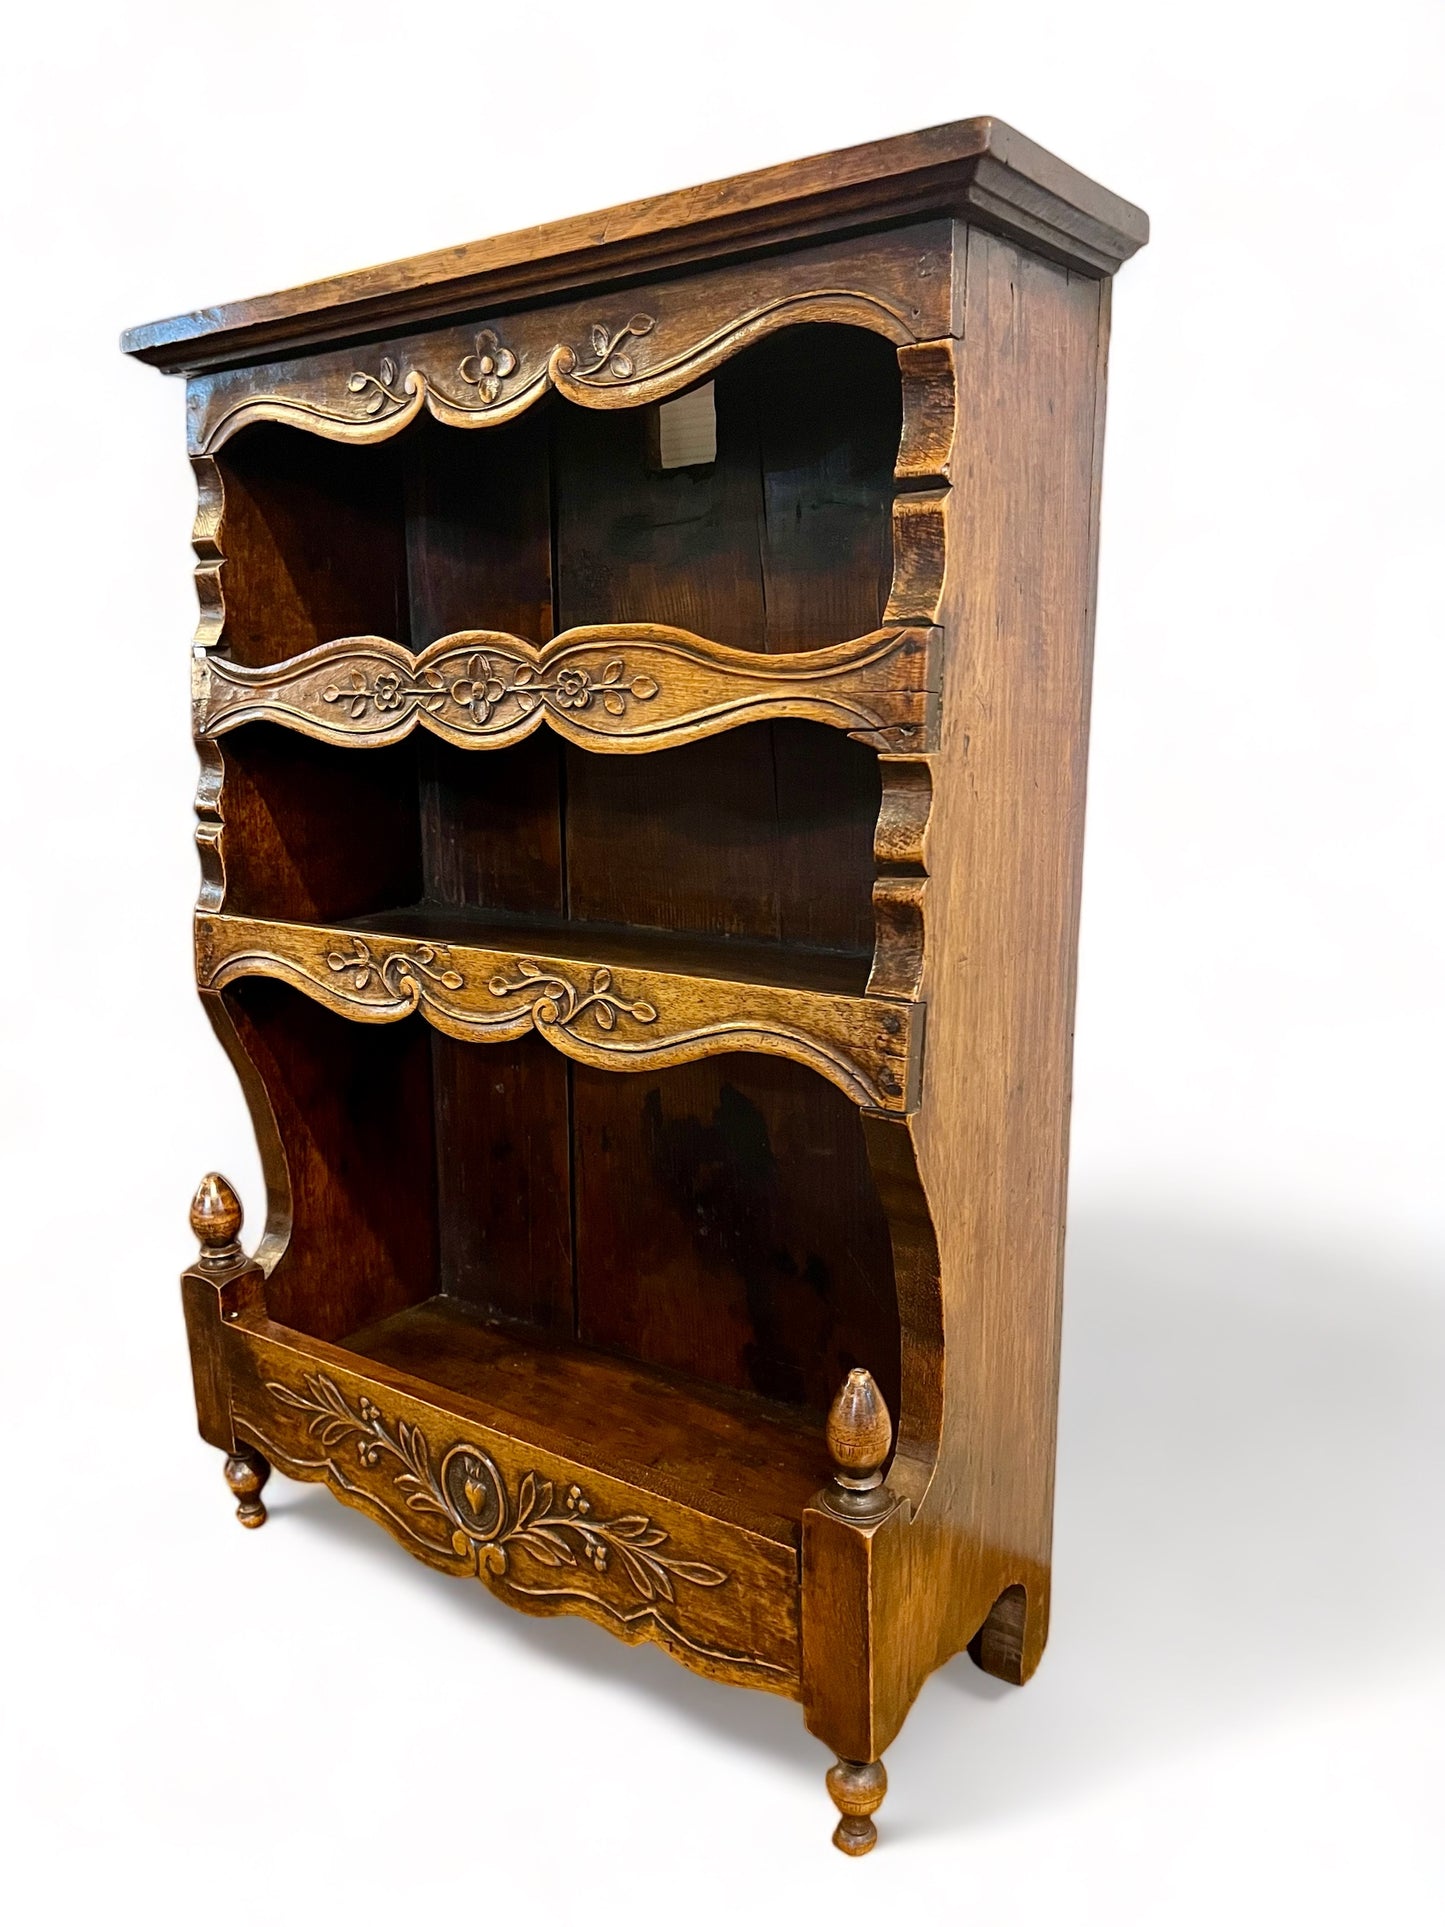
{"x": 468, "y": 1501}
{"x": 558, "y": 1002}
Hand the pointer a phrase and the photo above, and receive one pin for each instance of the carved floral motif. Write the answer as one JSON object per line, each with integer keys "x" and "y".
{"x": 486, "y": 683}
{"x": 561, "y": 1005}
{"x": 490, "y": 363}
{"x": 487, "y": 367}
{"x": 467, "y": 1492}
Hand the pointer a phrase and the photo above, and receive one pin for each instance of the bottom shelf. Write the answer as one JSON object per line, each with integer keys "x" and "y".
{"x": 564, "y": 1479}
{"x": 728, "y": 1454}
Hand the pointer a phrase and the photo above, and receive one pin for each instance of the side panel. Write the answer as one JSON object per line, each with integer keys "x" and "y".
{"x": 1005, "y": 841}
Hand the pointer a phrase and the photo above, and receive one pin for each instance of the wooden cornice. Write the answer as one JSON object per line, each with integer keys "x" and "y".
{"x": 981, "y": 170}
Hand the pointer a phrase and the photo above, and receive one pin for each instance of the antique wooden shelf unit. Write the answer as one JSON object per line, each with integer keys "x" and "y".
{"x": 642, "y": 675}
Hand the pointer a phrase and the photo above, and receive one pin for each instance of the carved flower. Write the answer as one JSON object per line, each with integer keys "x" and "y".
{"x": 386, "y": 690}
{"x": 574, "y": 689}
{"x": 488, "y": 367}
{"x": 479, "y": 690}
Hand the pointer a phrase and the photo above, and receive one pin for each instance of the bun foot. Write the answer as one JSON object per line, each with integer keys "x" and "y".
{"x": 857, "y": 1788}
{"x": 246, "y": 1473}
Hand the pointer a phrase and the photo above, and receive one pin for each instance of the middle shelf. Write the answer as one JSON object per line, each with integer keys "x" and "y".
{"x": 616, "y": 998}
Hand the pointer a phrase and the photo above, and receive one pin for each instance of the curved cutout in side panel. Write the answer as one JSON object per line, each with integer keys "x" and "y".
{"x": 918, "y": 1422}
{"x": 930, "y": 413}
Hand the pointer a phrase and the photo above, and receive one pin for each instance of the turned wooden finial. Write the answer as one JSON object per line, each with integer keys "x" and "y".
{"x": 216, "y": 1221}
{"x": 860, "y": 1434}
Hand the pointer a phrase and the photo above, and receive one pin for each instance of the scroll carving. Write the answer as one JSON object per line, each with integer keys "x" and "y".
{"x": 405, "y": 974}
{"x": 610, "y": 355}
{"x": 627, "y": 687}
{"x": 600, "y": 1014}
{"x": 558, "y": 1001}
{"x": 375, "y": 391}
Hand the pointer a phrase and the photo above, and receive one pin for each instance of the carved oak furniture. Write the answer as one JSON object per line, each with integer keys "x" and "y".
{"x": 643, "y": 671}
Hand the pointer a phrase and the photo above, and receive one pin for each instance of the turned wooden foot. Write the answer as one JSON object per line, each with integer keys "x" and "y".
{"x": 857, "y": 1787}
{"x": 246, "y": 1473}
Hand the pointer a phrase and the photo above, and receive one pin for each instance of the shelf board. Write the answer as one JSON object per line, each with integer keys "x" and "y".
{"x": 616, "y": 999}
{"x": 743, "y": 960}
{"x": 731, "y": 1455}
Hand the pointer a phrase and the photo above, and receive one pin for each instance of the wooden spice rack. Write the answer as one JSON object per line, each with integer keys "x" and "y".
{"x": 528, "y": 760}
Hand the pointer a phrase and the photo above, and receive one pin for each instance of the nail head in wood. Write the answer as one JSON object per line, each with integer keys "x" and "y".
{"x": 216, "y": 1221}
{"x": 857, "y": 1788}
{"x": 860, "y": 1436}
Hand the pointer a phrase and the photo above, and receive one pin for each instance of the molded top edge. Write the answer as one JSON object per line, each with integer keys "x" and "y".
{"x": 981, "y": 169}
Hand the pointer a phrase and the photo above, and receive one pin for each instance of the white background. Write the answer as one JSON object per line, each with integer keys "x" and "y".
{"x": 1240, "y": 1716}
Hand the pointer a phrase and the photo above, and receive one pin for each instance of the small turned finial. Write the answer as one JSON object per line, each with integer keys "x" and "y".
{"x": 857, "y": 1788}
{"x": 860, "y": 1434}
{"x": 216, "y": 1221}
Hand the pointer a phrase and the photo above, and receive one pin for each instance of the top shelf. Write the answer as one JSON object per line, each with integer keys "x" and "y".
{"x": 818, "y": 523}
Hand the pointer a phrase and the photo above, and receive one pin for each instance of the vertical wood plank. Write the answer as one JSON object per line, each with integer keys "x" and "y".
{"x": 728, "y": 1227}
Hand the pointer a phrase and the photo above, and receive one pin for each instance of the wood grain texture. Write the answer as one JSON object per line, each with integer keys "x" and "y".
{"x": 990, "y": 1134}
{"x": 981, "y": 170}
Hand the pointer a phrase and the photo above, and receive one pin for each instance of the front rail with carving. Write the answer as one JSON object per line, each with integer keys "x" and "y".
{"x": 632, "y": 686}
{"x": 542, "y": 1532}
{"x": 598, "y": 352}
{"x": 614, "y": 1017}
